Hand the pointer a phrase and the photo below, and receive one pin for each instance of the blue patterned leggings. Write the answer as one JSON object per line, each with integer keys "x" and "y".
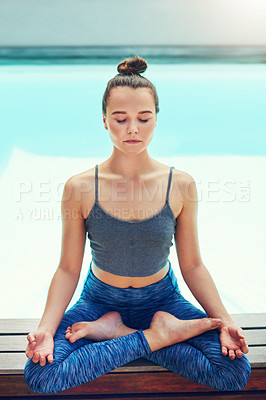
{"x": 198, "y": 359}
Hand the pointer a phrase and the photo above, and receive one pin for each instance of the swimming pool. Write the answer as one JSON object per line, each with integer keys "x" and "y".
{"x": 210, "y": 124}
{"x": 204, "y": 109}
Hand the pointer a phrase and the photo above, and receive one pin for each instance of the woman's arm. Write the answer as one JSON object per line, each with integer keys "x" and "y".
{"x": 192, "y": 268}
{"x": 60, "y": 293}
{"x": 66, "y": 277}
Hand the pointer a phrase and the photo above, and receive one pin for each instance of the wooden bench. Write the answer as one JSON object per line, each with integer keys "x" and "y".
{"x": 139, "y": 379}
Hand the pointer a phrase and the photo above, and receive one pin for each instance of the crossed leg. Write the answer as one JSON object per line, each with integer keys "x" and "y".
{"x": 199, "y": 358}
{"x": 191, "y": 349}
{"x": 85, "y": 359}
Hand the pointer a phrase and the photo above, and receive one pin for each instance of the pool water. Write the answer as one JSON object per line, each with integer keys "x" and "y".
{"x": 204, "y": 109}
{"x": 211, "y": 124}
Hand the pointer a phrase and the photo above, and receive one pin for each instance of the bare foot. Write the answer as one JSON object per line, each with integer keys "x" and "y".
{"x": 165, "y": 329}
{"x": 109, "y": 326}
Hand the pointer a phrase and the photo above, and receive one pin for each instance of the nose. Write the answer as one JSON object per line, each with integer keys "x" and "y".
{"x": 132, "y": 127}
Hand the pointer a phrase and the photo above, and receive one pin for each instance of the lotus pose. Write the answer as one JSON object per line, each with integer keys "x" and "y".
{"x": 131, "y": 207}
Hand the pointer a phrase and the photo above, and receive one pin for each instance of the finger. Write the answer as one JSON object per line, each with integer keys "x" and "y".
{"x": 42, "y": 361}
{"x": 232, "y": 354}
{"x": 50, "y": 358}
{"x": 240, "y": 333}
{"x": 30, "y": 350}
{"x": 36, "y": 357}
{"x": 30, "y": 338}
{"x": 244, "y": 346}
{"x": 239, "y": 353}
{"x": 27, "y": 350}
{"x": 224, "y": 350}
{"x": 68, "y": 334}
{"x": 31, "y": 346}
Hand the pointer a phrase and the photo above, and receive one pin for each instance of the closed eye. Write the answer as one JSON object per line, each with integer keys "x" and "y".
{"x": 142, "y": 120}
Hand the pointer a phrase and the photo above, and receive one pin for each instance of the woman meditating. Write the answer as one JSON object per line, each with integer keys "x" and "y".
{"x": 131, "y": 207}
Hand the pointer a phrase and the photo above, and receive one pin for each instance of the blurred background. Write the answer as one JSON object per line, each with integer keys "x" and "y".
{"x": 206, "y": 59}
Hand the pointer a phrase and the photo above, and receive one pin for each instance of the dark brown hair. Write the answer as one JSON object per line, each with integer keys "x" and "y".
{"x": 129, "y": 75}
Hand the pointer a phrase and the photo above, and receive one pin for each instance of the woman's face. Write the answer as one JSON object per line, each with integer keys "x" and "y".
{"x": 130, "y": 114}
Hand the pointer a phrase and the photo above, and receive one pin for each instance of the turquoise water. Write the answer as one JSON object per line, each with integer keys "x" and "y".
{"x": 204, "y": 109}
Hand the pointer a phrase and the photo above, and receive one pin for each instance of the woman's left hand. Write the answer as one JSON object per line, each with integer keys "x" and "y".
{"x": 233, "y": 341}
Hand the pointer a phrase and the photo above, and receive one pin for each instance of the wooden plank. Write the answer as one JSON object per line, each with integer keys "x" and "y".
{"x": 227, "y": 396}
{"x": 257, "y": 357}
{"x": 185, "y": 396}
{"x": 142, "y": 372}
{"x": 25, "y": 325}
{"x": 255, "y": 336}
{"x": 13, "y": 343}
{"x": 18, "y": 325}
{"x": 188, "y": 396}
{"x": 250, "y": 320}
{"x": 19, "y": 343}
{"x": 13, "y": 363}
{"x": 134, "y": 383}
{"x": 211, "y": 396}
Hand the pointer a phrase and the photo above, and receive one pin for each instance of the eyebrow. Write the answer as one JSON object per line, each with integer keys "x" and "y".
{"x": 123, "y": 112}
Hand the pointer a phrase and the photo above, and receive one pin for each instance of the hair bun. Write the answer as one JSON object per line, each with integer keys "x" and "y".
{"x": 136, "y": 65}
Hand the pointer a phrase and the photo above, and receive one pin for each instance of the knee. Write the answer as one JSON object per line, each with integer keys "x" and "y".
{"x": 41, "y": 379}
{"x": 234, "y": 374}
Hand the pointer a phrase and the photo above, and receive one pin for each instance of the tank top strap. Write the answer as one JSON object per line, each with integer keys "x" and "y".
{"x": 169, "y": 184}
{"x": 96, "y": 183}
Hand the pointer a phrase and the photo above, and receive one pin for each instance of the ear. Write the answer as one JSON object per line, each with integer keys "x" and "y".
{"x": 105, "y": 122}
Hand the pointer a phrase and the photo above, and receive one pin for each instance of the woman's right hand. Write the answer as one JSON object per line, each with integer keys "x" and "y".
{"x": 40, "y": 346}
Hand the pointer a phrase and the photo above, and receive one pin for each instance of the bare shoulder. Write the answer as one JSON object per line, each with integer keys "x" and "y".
{"x": 178, "y": 176}
{"x": 79, "y": 189}
{"x": 184, "y": 184}
{"x": 79, "y": 180}
{"x": 182, "y": 178}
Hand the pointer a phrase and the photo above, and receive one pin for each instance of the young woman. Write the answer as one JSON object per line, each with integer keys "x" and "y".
{"x": 131, "y": 206}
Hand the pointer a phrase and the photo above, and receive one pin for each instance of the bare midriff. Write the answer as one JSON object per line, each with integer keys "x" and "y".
{"x": 128, "y": 281}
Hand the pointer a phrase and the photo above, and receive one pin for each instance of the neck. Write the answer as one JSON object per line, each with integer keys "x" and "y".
{"x": 130, "y": 166}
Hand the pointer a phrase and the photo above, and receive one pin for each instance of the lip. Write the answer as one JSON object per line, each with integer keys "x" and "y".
{"x": 132, "y": 141}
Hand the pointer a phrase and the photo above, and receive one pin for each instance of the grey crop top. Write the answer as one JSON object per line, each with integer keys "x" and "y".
{"x": 130, "y": 248}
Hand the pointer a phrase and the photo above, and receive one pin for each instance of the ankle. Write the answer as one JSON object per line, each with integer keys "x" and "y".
{"x": 154, "y": 341}
{"x": 123, "y": 330}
